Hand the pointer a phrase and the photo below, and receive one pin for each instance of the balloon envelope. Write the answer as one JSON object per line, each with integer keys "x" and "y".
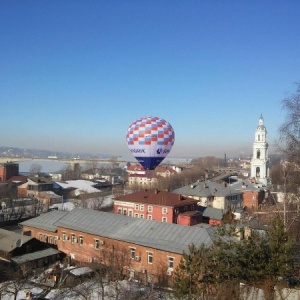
{"x": 150, "y": 140}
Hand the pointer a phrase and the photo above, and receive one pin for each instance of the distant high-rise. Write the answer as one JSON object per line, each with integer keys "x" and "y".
{"x": 260, "y": 160}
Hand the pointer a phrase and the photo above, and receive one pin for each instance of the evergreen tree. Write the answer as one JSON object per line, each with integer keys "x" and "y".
{"x": 218, "y": 270}
{"x": 189, "y": 276}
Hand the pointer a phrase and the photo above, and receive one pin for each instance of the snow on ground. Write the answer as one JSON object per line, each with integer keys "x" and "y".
{"x": 91, "y": 203}
{"x": 91, "y": 289}
{"x": 81, "y": 271}
{"x": 11, "y": 290}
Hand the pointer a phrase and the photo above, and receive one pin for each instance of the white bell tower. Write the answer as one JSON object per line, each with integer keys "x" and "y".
{"x": 260, "y": 160}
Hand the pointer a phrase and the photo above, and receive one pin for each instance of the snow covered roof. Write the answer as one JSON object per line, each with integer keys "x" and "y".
{"x": 80, "y": 185}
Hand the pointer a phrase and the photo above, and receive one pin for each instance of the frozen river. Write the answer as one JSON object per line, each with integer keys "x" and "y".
{"x": 47, "y": 166}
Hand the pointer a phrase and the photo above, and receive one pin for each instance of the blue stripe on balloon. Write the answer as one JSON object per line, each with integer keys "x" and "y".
{"x": 149, "y": 163}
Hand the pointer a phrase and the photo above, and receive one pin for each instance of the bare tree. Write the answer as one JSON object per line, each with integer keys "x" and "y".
{"x": 69, "y": 173}
{"x": 289, "y": 131}
{"x": 16, "y": 282}
{"x": 35, "y": 169}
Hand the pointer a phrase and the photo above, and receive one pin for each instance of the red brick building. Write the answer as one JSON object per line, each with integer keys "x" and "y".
{"x": 147, "y": 249}
{"x": 254, "y": 195}
{"x": 8, "y": 170}
{"x": 160, "y": 206}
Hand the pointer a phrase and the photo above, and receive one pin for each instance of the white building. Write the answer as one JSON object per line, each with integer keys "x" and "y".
{"x": 260, "y": 160}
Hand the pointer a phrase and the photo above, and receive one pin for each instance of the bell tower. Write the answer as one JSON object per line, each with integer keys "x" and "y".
{"x": 260, "y": 160}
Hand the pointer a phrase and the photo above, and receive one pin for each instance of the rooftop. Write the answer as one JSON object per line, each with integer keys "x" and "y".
{"x": 158, "y": 235}
{"x": 207, "y": 189}
{"x": 10, "y": 240}
{"x": 157, "y": 197}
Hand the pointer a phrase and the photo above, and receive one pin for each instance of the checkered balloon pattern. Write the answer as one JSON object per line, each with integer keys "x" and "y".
{"x": 150, "y": 130}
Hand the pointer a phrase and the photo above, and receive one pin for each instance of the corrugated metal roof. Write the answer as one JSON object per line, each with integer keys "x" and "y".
{"x": 245, "y": 184}
{"x": 169, "y": 237}
{"x": 211, "y": 212}
{"x": 9, "y": 240}
{"x": 35, "y": 255}
{"x": 46, "y": 221}
{"x": 206, "y": 189}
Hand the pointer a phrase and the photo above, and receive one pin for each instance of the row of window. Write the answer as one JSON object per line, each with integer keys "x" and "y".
{"x": 136, "y": 215}
{"x": 98, "y": 242}
{"x": 233, "y": 197}
{"x": 150, "y": 258}
{"x": 74, "y": 240}
{"x": 48, "y": 238}
{"x": 141, "y": 207}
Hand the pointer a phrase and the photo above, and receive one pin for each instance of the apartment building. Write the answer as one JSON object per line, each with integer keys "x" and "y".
{"x": 213, "y": 194}
{"x": 160, "y": 206}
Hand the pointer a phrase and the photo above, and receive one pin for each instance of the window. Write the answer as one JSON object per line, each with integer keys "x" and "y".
{"x": 125, "y": 212}
{"x": 142, "y": 207}
{"x": 142, "y": 216}
{"x": 258, "y": 154}
{"x": 73, "y": 238}
{"x": 131, "y": 274}
{"x": 96, "y": 244}
{"x": 164, "y": 219}
{"x": 64, "y": 237}
{"x": 119, "y": 211}
{"x": 136, "y": 215}
{"x": 170, "y": 262}
{"x": 185, "y": 208}
{"x": 136, "y": 207}
{"x": 150, "y": 258}
{"x": 41, "y": 237}
{"x": 130, "y": 214}
{"x": 132, "y": 253}
{"x": 164, "y": 210}
{"x": 150, "y": 208}
{"x": 80, "y": 240}
{"x": 257, "y": 172}
{"x": 192, "y": 207}
{"x": 150, "y": 217}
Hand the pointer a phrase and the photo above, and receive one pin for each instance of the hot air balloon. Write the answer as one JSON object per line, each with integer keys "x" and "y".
{"x": 150, "y": 140}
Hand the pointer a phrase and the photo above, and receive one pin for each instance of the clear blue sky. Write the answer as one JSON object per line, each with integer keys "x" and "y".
{"x": 75, "y": 74}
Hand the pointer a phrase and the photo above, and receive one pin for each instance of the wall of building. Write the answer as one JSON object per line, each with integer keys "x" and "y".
{"x": 189, "y": 220}
{"x": 135, "y": 258}
{"x": 251, "y": 199}
{"x": 160, "y": 213}
{"x": 144, "y": 211}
